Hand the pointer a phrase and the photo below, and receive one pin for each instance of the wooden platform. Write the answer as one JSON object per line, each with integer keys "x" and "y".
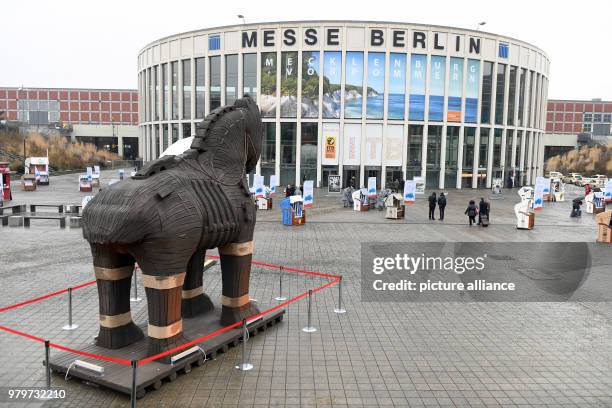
{"x": 151, "y": 376}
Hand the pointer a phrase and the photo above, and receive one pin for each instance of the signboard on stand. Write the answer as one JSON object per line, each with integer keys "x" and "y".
{"x": 420, "y": 185}
{"x": 259, "y": 186}
{"x": 333, "y": 183}
{"x": 273, "y": 184}
{"x": 608, "y": 193}
{"x": 409, "y": 192}
{"x": 371, "y": 187}
{"x": 538, "y": 194}
{"x": 308, "y": 193}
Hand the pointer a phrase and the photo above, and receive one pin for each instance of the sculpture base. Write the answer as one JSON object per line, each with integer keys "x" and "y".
{"x": 152, "y": 375}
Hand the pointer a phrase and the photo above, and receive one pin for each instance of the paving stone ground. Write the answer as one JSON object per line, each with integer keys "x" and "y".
{"x": 377, "y": 354}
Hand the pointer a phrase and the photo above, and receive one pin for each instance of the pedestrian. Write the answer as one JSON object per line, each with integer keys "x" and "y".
{"x": 442, "y": 205}
{"x": 432, "y": 206}
{"x": 297, "y": 191}
{"x": 471, "y": 212}
{"x": 484, "y": 209}
{"x": 587, "y": 189}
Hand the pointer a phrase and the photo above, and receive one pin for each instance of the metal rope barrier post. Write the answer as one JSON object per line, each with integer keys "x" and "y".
{"x": 340, "y": 309}
{"x": 133, "y": 390}
{"x": 280, "y": 296}
{"x": 47, "y": 366}
{"x": 135, "y": 298}
{"x": 70, "y": 326}
{"x": 244, "y": 366}
{"x": 309, "y": 328}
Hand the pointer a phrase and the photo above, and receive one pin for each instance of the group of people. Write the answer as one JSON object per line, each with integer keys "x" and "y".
{"x": 292, "y": 190}
{"x": 482, "y": 210}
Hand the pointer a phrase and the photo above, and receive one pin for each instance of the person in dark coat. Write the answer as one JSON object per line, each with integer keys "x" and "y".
{"x": 471, "y": 212}
{"x": 432, "y": 206}
{"x": 442, "y": 205}
{"x": 484, "y": 209}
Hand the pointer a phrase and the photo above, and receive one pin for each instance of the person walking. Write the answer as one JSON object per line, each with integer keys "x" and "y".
{"x": 587, "y": 189}
{"x": 432, "y": 206}
{"x": 442, "y": 205}
{"x": 484, "y": 209}
{"x": 471, "y": 212}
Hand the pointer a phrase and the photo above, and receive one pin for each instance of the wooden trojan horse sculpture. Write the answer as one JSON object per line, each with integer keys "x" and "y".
{"x": 164, "y": 218}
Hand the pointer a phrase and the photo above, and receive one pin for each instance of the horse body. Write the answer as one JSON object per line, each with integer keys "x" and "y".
{"x": 165, "y": 217}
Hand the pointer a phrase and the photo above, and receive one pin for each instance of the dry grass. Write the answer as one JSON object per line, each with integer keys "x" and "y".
{"x": 63, "y": 155}
{"x": 586, "y": 160}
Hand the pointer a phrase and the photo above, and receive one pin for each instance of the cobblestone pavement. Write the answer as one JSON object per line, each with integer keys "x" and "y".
{"x": 377, "y": 354}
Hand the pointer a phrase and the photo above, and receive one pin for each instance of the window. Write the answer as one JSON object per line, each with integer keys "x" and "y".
{"x": 511, "y": 96}
{"x": 164, "y": 138}
{"x": 531, "y": 99}
{"x": 268, "y": 150}
{"x": 452, "y": 153}
{"x": 249, "y": 75}
{"x": 174, "y": 74}
{"x": 499, "y": 94}
{"x": 165, "y": 96}
{"x": 497, "y": 145}
{"x": 231, "y": 79}
{"x": 175, "y": 132}
{"x": 487, "y": 84}
{"x": 215, "y": 82}
{"x": 587, "y": 127}
{"x": 588, "y": 117}
{"x": 308, "y": 152}
{"x": 267, "y": 104}
{"x": 468, "y": 157}
{"x": 597, "y": 117}
{"x": 483, "y": 152}
{"x": 508, "y": 162}
{"x": 200, "y": 100}
{"x": 155, "y": 150}
{"x": 214, "y": 42}
{"x": 607, "y": 117}
{"x": 503, "y": 50}
{"x": 521, "y": 106}
{"x": 415, "y": 151}
{"x": 156, "y": 94}
{"x": 434, "y": 140}
{"x": 287, "y": 153}
{"x": 186, "y": 89}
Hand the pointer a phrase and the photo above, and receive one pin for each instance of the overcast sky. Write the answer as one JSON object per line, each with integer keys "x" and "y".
{"x": 89, "y": 44}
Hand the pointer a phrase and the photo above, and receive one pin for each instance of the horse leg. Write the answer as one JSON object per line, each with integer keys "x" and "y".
{"x": 195, "y": 301}
{"x": 235, "y": 274}
{"x": 114, "y": 272}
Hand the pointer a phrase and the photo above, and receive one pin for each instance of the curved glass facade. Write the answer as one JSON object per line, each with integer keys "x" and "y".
{"x": 358, "y": 99}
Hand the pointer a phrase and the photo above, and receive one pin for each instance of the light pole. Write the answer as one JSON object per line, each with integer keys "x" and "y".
{"x": 242, "y": 17}
{"x": 480, "y": 25}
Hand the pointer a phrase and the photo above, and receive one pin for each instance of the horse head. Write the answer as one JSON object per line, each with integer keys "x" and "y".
{"x": 253, "y": 129}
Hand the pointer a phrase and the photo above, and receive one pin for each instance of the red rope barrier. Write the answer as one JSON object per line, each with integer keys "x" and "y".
{"x": 175, "y": 349}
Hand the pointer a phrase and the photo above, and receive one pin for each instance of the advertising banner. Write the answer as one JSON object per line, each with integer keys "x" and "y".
{"x": 393, "y": 145}
{"x": 333, "y": 183}
{"x": 371, "y": 187}
{"x": 397, "y": 86}
{"x": 471, "y": 91}
{"x": 352, "y": 144}
{"x": 409, "y": 192}
{"x": 608, "y": 192}
{"x": 332, "y": 75}
{"x": 273, "y": 184}
{"x": 436, "y": 88}
{"x": 376, "y": 85}
{"x": 311, "y": 69}
{"x": 268, "y": 85}
{"x": 258, "y": 184}
{"x": 353, "y": 88}
{"x": 308, "y": 193}
{"x": 373, "y": 145}
{"x": 455, "y": 90}
{"x": 418, "y": 70}
{"x": 546, "y": 186}
{"x": 289, "y": 67}
{"x": 538, "y": 193}
{"x": 330, "y": 133}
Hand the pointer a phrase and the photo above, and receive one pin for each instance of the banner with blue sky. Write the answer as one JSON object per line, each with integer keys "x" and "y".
{"x": 353, "y": 88}
{"x": 436, "y": 88}
{"x": 332, "y": 75}
{"x": 455, "y": 90}
{"x": 418, "y": 70}
{"x": 397, "y": 86}
{"x": 471, "y": 90}
{"x": 376, "y": 85}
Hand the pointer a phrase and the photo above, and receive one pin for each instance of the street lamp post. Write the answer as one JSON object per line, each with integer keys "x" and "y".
{"x": 242, "y": 17}
{"x": 480, "y": 25}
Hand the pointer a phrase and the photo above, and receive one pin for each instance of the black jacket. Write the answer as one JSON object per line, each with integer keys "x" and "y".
{"x": 471, "y": 210}
{"x": 484, "y": 208}
{"x": 432, "y": 201}
{"x": 442, "y": 201}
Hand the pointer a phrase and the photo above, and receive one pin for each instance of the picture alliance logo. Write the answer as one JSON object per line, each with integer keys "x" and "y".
{"x": 422, "y": 263}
